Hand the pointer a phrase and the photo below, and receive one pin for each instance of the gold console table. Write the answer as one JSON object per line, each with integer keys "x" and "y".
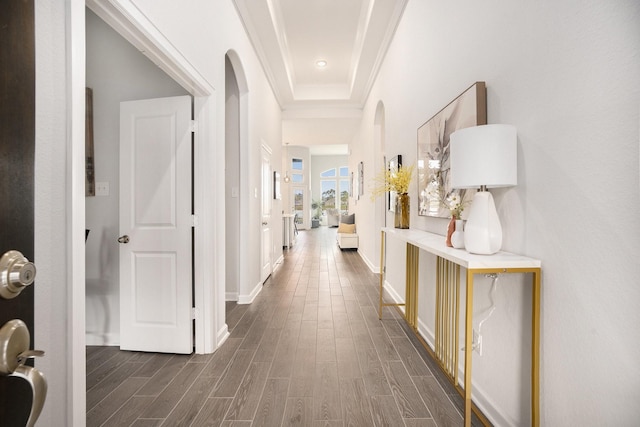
{"x": 447, "y": 275}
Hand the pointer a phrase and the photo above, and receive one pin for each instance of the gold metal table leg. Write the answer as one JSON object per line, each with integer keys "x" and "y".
{"x": 535, "y": 350}
{"x": 447, "y": 280}
{"x": 411, "y": 286}
{"x": 382, "y": 271}
{"x": 535, "y": 340}
{"x": 468, "y": 348}
{"x": 447, "y": 306}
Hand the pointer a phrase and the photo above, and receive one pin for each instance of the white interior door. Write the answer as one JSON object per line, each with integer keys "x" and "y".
{"x": 266, "y": 265}
{"x": 155, "y": 225}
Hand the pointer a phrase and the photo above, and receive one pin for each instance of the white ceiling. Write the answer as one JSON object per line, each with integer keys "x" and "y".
{"x": 321, "y": 106}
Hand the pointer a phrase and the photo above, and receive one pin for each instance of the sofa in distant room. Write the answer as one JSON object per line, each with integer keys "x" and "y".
{"x": 333, "y": 217}
{"x": 346, "y": 236}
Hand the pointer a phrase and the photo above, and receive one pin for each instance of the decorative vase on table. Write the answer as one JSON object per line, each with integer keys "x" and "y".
{"x": 450, "y": 229}
{"x": 457, "y": 238}
{"x": 402, "y": 211}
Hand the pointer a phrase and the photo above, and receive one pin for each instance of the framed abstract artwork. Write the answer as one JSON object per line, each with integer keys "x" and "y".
{"x": 392, "y": 165}
{"x": 468, "y": 109}
{"x": 90, "y": 173}
{"x": 351, "y": 185}
{"x": 276, "y": 186}
{"x": 360, "y": 179}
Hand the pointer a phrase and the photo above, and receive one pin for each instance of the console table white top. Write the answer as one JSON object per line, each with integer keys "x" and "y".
{"x": 435, "y": 244}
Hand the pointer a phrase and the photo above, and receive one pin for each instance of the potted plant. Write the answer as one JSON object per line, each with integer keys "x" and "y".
{"x": 317, "y": 212}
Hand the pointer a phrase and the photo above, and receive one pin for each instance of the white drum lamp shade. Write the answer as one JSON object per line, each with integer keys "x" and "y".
{"x": 483, "y": 157}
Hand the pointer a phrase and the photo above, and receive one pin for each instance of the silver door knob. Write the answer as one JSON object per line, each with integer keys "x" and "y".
{"x": 123, "y": 239}
{"x": 265, "y": 223}
{"x": 16, "y": 273}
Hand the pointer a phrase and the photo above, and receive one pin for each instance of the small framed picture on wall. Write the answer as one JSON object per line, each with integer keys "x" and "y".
{"x": 276, "y": 186}
{"x": 360, "y": 179}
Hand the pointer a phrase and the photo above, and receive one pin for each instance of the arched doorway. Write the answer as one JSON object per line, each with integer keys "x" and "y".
{"x": 236, "y": 185}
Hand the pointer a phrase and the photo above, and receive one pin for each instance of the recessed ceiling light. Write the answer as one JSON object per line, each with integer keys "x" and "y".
{"x": 321, "y": 63}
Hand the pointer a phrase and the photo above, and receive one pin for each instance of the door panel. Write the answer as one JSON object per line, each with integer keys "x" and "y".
{"x": 155, "y": 215}
{"x": 17, "y": 148}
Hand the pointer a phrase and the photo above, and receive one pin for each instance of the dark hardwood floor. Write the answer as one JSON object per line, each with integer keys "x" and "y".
{"x": 309, "y": 351}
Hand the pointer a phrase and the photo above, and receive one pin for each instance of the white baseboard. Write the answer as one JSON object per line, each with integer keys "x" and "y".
{"x": 395, "y": 297}
{"x": 94, "y": 338}
{"x": 231, "y": 296}
{"x": 368, "y": 263}
{"x": 223, "y": 334}
{"x": 426, "y": 334}
{"x": 113, "y": 339}
{"x": 279, "y": 261}
{"x": 248, "y": 299}
{"x": 480, "y": 398}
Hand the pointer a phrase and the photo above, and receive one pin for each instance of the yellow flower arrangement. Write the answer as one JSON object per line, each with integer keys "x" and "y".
{"x": 397, "y": 180}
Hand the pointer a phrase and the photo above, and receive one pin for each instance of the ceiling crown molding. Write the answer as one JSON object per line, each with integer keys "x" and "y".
{"x": 272, "y": 28}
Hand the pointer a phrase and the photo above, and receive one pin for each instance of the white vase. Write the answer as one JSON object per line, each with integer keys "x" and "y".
{"x": 457, "y": 238}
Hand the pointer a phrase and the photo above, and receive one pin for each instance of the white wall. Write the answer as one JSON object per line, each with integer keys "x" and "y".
{"x": 51, "y": 230}
{"x": 232, "y": 183}
{"x": 116, "y": 72}
{"x": 566, "y": 75}
{"x": 60, "y": 210}
{"x": 204, "y": 32}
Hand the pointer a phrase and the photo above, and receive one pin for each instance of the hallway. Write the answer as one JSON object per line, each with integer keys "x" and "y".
{"x": 310, "y": 351}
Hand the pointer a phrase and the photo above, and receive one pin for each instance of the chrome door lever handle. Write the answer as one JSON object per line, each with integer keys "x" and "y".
{"x": 14, "y": 351}
{"x": 29, "y": 354}
{"x": 123, "y": 239}
{"x": 14, "y": 346}
{"x": 38, "y": 384}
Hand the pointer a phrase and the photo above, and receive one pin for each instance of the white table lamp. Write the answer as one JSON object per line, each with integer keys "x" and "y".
{"x": 483, "y": 157}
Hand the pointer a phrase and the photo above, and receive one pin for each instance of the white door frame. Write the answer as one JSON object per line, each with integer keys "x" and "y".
{"x": 124, "y": 17}
{"x": 211, "y": 328}
{"x": 266, "y": 190}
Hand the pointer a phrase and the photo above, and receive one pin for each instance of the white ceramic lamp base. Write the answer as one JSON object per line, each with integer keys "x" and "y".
{"x": 483, "y": 232}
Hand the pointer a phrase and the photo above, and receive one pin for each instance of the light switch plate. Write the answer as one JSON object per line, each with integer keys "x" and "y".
{"x": 102, "y": 188}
